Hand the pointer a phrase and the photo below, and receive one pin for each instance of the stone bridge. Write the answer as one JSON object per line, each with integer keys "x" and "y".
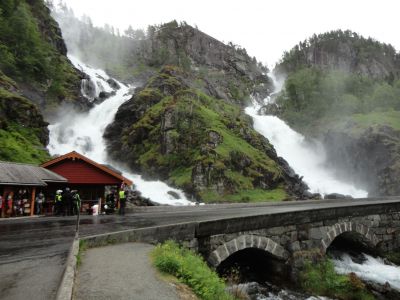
{"x": 287, "y": 232}
{"x": 291, "y": 237}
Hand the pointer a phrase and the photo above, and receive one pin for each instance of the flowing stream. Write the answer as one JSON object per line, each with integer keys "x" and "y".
{"x": 83, "y": 132}
{"x": 371, "y": 269}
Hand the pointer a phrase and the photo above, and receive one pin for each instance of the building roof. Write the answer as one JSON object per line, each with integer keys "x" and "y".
{"x": 25, "y": 174}
{"x": 77, "y": 156}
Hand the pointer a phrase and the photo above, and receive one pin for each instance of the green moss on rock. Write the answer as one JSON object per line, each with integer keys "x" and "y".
{"x": 196, "y": 142}
{"x": 20, "y": 144}
{"x": 23, "y": 133}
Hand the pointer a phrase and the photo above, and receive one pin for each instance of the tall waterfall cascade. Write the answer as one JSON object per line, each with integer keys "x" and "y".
{"x": 83, "y": 132}
{"x": 306, "y": 159}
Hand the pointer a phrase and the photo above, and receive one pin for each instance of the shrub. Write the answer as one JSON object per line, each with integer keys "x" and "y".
{"x": 190, "y": 269}
{"x": 321, "y": 279}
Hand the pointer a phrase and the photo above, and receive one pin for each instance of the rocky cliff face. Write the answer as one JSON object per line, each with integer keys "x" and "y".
{"x": 176, "y": 130}
{"x": 227, "y": 71}
{"x": 344, "y": 51}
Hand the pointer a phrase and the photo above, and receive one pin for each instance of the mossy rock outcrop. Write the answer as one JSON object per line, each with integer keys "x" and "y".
{"x": 33, "y": 54}
{"x": 174, "y": 131}
{"x": 23, "y": 132}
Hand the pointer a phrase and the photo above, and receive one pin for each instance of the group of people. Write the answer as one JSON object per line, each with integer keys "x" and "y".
{"x": 67, "y": 202}
{"x": 111, "y": 201}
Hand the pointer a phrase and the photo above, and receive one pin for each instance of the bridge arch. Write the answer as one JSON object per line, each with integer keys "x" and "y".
{"x": 245, "y": 242}
{"x": 348, "y": 227}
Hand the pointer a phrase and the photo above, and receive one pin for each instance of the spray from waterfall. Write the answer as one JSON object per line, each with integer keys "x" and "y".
{"x": 307, "y": 160}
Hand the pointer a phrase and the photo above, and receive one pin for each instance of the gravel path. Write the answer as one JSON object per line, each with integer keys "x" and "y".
{"x": 121, "y": 271}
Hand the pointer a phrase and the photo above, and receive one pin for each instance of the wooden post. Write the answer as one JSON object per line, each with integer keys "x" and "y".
{"x": 33, "y": 200}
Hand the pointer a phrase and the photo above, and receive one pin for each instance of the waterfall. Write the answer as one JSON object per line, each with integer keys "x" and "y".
{"x": 306, "y": 159}
{"x": 83, "y": 132}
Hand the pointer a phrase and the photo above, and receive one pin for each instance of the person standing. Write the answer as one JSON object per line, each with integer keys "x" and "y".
{"x": 16, "y": 203}
{"x": 110, "y": 203}
{"x": 67, "y": 202}
{"x": 76, "y": 201}
{"x": 9, "y": 204}
{"x": 58, "y": 205}
{"x": 39, "y": 203}
{"x": 122, "y": 202}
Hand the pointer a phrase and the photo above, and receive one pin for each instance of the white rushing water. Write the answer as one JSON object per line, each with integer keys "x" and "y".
{"x": 306, "y": 160}
{"x": 83, "y": 132}
{"x": 373, "y": 269}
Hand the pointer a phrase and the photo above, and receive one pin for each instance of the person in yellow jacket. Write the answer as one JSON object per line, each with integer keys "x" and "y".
{"x": 58, "y": 205}
{"x": 122, "y": 202}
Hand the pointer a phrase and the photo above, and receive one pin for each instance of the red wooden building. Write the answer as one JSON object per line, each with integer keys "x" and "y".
{"x": 91, "y": 179}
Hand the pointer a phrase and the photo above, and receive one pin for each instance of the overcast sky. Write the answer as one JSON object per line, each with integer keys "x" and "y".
{"x": 265, "y": 28}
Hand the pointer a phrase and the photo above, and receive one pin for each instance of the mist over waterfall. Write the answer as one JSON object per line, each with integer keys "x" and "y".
{"x": 83, "y": 132}
{"x": 307, "y": 160}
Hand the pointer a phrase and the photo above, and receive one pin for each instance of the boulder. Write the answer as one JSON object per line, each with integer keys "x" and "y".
{"x": 336, "y": 196}
{"x": 113, "y": 84}
{"x": 270, "y": 109}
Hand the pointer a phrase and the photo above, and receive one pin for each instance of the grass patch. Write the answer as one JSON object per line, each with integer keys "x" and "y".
{"x": 83, "y": 246}
{"x": 321, "y": 279}
{"x": 4, "y": 94}
{"x": 190, "y": 269}
{"x": 389, "y": 118}
{"x": 258, "y": 195}
{"x": 246, "y": 195}
{"x": 210, "y": 196}
{"x": 21, "y": 144}
{"x": 356, "y": 124}
{"x": 181, "y": 176}
{"x": 233, "y": 142}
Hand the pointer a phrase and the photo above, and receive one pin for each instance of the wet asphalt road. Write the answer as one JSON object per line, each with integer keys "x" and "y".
{"x": 33, "y": 251}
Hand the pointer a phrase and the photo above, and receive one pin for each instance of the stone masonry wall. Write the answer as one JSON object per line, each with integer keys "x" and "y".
{"x": 294, "y": 243}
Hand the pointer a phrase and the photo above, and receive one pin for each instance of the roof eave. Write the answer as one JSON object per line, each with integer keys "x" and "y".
{"x": 22, "y": 184}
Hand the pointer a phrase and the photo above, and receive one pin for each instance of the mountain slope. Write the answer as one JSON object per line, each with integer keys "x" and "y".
{"x": 174, "y": 131}
{"x": 35, "y": 78}
{"x": 186, "y": 124}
